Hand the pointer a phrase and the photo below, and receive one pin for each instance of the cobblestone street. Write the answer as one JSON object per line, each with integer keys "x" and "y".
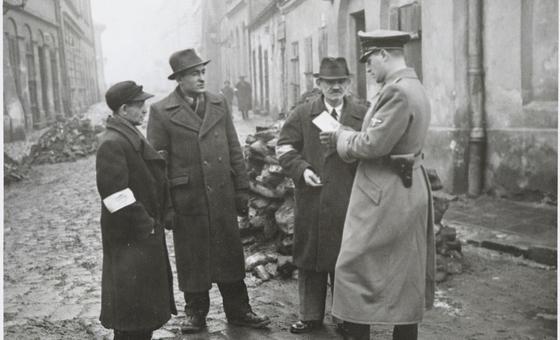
{"x": 52, "y": 274}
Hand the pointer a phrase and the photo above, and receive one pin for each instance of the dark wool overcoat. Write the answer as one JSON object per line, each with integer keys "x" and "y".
{"x": 320, "y": 211}
{"x": 244, "y": 95}
{"x": 205, "y": 170}
{"x": 137, "y": 292}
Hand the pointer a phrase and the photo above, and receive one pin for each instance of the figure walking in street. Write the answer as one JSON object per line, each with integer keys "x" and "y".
{"x": 136, "y": 286}
{"x": 385, "y": 269}
{"x": 228, "y": 92}
{"x": 323, "y": 183}
{"x": 209, "y": 188}
{"x": 244, "y": 97}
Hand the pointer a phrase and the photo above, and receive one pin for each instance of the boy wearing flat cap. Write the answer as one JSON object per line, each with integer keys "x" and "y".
{"x": 209, "y": 189}
{"x": 137, "y": 292}
{"x": 385, "y": 270}
{"x": 323, "y": 182}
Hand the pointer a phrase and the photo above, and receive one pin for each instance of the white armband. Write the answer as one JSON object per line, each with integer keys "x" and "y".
{"x": 281, "y": 150}
{"x": 119, "y": 200}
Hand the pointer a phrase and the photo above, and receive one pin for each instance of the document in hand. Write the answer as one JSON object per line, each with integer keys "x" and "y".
{"x": 325, "y": 122}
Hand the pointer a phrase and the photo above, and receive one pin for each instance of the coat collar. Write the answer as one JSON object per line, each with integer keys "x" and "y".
{"x": 135, "y": 137}
{"x": 182, "y": 114}
{"x": 400, "y": 74}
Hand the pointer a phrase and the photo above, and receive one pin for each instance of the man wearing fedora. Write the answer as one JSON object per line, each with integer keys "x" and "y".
{"x": 136, "y": 286}
{"x": 323, "y": 182}
{"x": 385, "y": 270}
{"x": 209, "y": 188}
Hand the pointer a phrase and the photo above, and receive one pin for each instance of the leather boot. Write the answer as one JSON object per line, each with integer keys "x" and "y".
{"x": 197, "y": 306}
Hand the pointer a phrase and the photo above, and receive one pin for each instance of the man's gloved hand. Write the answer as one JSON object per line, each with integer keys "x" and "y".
{"x": 242, "y": 202}
{"x": 168, "y": 219}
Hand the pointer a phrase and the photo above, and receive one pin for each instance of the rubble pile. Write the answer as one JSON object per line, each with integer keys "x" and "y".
{"x": 66, "y": 140}
{"x": 449, "y": 257}
{"x": 271, "y": 213}
{"x": 15, "y": 171}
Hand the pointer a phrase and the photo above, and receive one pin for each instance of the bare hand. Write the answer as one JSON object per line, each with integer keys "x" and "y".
{"x": 311, "y": 178}
{"x": 328, "y": 139}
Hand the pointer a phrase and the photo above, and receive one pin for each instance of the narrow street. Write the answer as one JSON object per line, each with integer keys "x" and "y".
{"x": 52, "y": 274}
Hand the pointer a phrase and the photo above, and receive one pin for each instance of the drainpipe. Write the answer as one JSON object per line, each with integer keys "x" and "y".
{"x": 477, "y": 135}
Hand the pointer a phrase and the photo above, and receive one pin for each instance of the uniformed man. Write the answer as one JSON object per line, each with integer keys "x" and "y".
{"x": 385, "y": 270}
{"x": 136, "y": 286}
{"x": 209, "y": 188}
{"x": 323, "y": 182}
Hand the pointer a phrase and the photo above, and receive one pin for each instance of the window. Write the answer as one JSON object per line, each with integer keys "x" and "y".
{"x": 308, "y": 64}
{"x": 294, "y": 61}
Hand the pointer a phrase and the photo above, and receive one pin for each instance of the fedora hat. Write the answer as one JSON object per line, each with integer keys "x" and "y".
{"x": 183, "y": 60}
{"x": 333, "y": 68}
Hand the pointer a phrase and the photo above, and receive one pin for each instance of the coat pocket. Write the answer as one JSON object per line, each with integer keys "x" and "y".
{"x": 371, "y": 191}
{"x": 184, "y": 198}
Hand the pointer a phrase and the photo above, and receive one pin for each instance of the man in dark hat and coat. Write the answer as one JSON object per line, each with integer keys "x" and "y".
{"x": 209, "y": 189}
{"x": 244, "y": 96}
{"x": 385, "y": 269}
{"x": 136, "y": 286}
{"x": 323, "y": 183}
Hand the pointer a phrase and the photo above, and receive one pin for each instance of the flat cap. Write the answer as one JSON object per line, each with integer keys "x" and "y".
{"x": 386, "y": 39}
{"x": 125, "y": 92}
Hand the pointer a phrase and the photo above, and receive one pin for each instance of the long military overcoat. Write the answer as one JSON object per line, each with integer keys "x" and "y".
{"x": 385, "y": 270}
{"x": 320, "y": 211}
{"x": 205, "y": 170}
{"x": 137, "y": 292}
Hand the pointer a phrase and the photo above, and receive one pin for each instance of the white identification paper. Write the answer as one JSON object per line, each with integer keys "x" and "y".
{"x": 119, "y": 200}
{"x": 325, "y": 122}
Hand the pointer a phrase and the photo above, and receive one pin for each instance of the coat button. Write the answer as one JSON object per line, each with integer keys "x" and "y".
{"x": 216, "y": 133}
{"x": 205, "y": 163}
{"x": 220, "y": 159}
{"x": 209, "y": 188}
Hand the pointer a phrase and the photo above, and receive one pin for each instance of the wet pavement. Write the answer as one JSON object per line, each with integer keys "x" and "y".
{"x": 52, "y": 275}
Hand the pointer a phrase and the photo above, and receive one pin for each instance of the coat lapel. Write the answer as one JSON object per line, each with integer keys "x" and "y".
{"x": 214, "y": 113}
{"x": 136, "y": 139}
{"x": 180, "y": 112}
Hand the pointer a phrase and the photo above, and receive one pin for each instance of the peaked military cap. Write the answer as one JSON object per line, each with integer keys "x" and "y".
{"x": 125, "y": 92}
{"x": 381, "y": 39}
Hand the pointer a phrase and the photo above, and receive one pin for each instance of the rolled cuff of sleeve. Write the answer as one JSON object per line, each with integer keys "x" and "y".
{"x": 343, "y": 145}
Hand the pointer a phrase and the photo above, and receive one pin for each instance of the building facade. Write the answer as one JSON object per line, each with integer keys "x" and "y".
{"x": 493, "y": 90}
{"x": 49, "y": 64}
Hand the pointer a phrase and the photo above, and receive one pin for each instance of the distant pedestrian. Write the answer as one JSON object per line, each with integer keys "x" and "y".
{"x": 209, "y": 189}
{"x": 244, "y": 96}
{"x": 228, "y": 92}
{"x": 386, "y": 267}
{"x": 136, "y": 286}
{"x": 323, "y": 183}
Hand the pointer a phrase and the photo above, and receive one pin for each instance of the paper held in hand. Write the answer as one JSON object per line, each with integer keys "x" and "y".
{"x": 325, "y": 122}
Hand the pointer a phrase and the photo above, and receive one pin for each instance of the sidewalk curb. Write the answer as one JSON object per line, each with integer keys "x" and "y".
{"x": 504, "y": 242}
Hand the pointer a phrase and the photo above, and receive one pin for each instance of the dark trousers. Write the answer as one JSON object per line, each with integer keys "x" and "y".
{"x": 132, "y": 335}
{"x": 234, "y": 296}
{"x": 312, "y": 291}
{"x": 356, "y": 331}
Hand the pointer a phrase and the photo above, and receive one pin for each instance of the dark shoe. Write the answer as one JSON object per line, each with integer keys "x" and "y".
{"x": 249, "y": 319}
{"x": 193, "y": 323}
{"x": 305, "y": 326}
